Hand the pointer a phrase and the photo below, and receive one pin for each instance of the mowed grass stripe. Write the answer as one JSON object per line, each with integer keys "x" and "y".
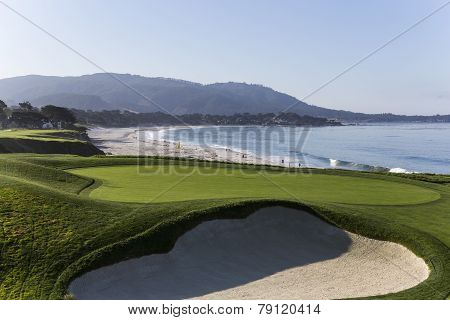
{"x": 143, "y": 183}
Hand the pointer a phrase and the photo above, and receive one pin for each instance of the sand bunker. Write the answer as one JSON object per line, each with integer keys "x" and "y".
{"x": 275, "y": 253}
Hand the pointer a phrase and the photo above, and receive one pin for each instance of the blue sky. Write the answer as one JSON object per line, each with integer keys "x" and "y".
{"x": 291, "y": 46}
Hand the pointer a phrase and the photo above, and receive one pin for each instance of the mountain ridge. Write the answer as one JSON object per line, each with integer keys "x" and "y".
{"x": 104, "y": 91}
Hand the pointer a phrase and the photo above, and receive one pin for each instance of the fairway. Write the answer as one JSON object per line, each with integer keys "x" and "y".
{"x": 168, "y": 183}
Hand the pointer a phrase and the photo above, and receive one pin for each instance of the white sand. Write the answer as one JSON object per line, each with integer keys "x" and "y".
{"x": 276, "y": 253}
{"x": 133, "y": 141}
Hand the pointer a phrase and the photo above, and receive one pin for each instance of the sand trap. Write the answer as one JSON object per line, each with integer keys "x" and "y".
{"x": 276, "y": 253}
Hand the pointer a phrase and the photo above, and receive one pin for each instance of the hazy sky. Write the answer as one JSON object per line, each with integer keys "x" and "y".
{"x": 291, "y": 46}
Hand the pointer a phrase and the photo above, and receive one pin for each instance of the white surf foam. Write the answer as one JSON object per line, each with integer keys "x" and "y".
{"x": 399, "y": 170}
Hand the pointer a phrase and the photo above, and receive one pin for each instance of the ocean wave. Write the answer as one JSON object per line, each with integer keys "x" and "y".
{"x": 355, "y": 166}
{"x": 342, "y": 164}
{"x": 400, "y": 170}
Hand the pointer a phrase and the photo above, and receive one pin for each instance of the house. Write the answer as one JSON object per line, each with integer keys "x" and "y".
{"x": 47, "y": 125}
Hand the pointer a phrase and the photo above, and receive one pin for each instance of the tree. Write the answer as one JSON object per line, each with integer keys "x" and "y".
{"x": 26, "y": 106}
{"x": 58, "y": 114}
{"x": 3, "y": 115}
{"x": 29, "y": 120}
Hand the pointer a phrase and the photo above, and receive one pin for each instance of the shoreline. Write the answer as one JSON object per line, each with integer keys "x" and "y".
{"x": 135, "y": 141}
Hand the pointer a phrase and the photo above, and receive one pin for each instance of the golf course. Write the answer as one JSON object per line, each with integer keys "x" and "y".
{"x": 46, "y": 141}
{"x": 63, "y": 216}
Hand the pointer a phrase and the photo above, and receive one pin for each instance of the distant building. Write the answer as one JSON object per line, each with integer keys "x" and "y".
{"x": 47, "y": 125}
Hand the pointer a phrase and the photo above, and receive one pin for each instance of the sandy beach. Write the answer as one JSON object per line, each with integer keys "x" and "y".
{"x": 145, "y": 141}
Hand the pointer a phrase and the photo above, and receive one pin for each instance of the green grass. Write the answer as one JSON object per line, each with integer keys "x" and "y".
{"x": 41, "y": 135}
{"x": 55, "y": 225}
{"x": 46, "y": 142}
{"x": 174, "y": 183}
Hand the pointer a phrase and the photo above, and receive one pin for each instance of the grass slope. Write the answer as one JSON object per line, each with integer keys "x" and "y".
{"x": 46, "y": 142}
{"x": 49, "y": 233}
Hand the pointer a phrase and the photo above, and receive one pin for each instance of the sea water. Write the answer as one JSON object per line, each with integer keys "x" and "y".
{"x": 405, "y": 147}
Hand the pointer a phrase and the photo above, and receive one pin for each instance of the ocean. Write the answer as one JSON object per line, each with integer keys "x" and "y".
{"x": 405, "y": 147}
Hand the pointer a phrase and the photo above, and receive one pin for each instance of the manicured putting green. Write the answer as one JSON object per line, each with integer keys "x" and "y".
{"x": 177, "y": 183}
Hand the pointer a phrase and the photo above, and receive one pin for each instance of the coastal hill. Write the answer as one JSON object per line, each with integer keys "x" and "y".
{"x": 128, "y": 92}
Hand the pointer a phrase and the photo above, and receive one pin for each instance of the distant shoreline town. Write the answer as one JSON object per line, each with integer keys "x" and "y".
{"x": 26, "y": 116}
{"x": 123, "y": 119}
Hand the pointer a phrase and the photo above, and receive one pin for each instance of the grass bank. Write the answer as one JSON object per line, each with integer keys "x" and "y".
{"x": 46, "y": 142}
